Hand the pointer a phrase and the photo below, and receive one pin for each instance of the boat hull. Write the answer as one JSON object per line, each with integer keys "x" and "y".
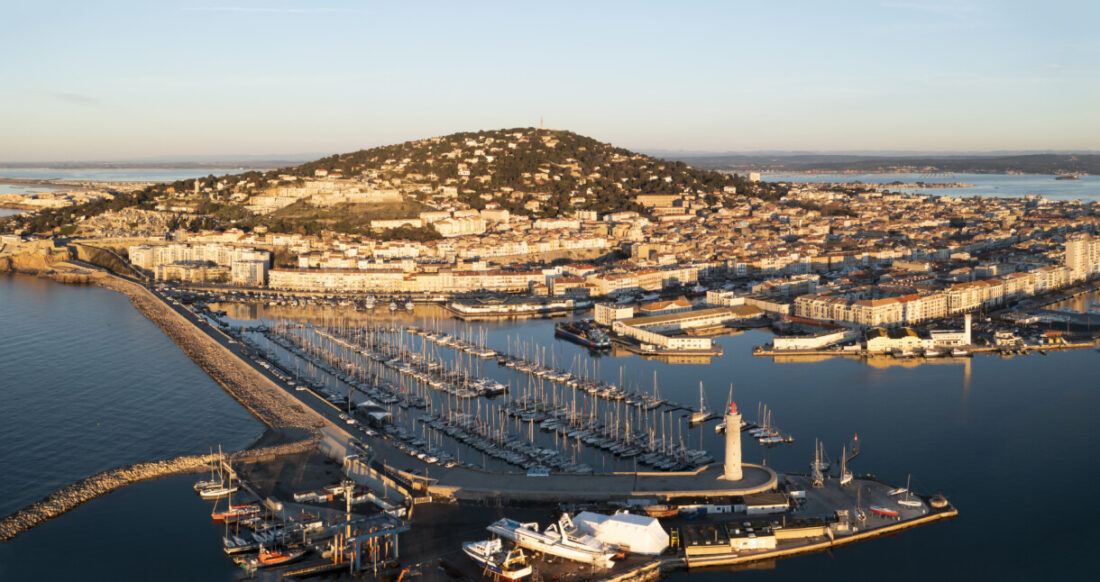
{"x": 579, "y": 339}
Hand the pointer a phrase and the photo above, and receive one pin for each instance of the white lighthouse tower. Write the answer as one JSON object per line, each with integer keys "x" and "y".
{"x": 733, "y": 444}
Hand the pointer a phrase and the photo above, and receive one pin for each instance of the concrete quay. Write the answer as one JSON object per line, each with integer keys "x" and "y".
{"x": 463, "y": 484}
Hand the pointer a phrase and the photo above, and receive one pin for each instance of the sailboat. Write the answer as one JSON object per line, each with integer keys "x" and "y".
{"x": 700, "y": 415}
{"x": 908, "y": 501}
{"x": 845, "y": 474}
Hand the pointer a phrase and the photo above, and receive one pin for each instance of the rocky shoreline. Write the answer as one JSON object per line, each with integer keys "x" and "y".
{"x": 107, "y": 481}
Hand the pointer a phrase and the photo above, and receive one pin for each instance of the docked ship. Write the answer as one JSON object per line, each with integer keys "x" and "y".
{"x": 583, "y": 333}
{"x": 490, "y": 554}
{"x": 559, "y": 539}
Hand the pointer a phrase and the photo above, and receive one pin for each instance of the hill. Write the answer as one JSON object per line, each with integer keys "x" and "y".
{"x": 531, "y": 172}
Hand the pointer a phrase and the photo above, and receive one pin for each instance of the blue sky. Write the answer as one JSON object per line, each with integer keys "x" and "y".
{"x": 122, "y": 80}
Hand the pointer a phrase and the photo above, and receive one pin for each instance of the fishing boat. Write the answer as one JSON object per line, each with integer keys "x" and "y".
{"x": 933, "y": 352}
{"x": 702, "y": 414}
{"x": 883, "y": 511}
{"x": 960, "y": 353}
{"x": 559, "y": 539}
{"x": 409, "y": 306}
{"x": 393, "y": 306}
{"x": 490, "y": 555}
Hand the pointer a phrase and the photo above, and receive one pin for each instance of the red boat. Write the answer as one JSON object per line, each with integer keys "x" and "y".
{"x": 278, "y": 556}
{"x": 234, "y": 513}
{"x": 883, "y": 511}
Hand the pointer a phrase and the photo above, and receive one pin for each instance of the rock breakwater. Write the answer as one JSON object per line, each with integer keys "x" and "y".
{"x": 107, "y": 481}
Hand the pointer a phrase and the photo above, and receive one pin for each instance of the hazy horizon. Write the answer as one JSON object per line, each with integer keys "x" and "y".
{"x": 244, "y": 159}
{"x": 129, "y": 80}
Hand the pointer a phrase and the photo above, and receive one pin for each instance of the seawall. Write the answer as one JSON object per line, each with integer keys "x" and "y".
{"x": 265, "y": 400}
{"x": 107, "y": 481}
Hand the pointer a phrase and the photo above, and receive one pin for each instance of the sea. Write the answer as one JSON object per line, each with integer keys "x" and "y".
{"x": 88, "y": 383}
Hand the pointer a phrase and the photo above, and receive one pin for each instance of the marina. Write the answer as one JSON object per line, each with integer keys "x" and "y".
{"x": 682, "y": 510}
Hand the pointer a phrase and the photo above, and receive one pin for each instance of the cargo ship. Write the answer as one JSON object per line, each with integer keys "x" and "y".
{"x": 583, "y": 333}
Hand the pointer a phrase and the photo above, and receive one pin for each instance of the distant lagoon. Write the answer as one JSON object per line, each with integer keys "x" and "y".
{"x": 1086, "y": 189}
{"x": 114, "y": 174}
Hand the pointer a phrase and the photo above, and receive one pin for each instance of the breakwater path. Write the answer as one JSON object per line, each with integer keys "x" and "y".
{"x": 259, "y": 394}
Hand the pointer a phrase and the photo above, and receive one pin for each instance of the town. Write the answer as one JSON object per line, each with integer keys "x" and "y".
{"x": 827, "y": 262}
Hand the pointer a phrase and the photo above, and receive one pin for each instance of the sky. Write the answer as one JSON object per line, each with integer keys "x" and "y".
{"x": 111, "y": 80}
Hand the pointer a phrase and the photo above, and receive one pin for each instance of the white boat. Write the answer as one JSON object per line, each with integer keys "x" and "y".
{"x": 960, "y": 353}
{"x": 490, "y": 555}
{"x": 908, "y": 500}
{"x": 560, "y": 539}
{"x": 409, "y": 305}
{"x": 217, "y": 490}
{"x": 393, "y": 306}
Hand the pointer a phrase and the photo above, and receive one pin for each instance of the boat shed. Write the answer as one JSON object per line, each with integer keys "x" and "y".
{"x": 639, "y": 534}
{"x": 765, "y": 503}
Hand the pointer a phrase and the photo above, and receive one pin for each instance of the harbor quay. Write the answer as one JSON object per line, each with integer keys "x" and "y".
{"x": 469, "y": 484}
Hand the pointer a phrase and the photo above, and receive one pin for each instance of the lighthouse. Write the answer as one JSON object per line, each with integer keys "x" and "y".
{"x": 733, "y": 444}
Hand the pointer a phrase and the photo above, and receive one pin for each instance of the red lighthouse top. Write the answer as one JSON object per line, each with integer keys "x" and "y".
{"x": 733, "y": 408}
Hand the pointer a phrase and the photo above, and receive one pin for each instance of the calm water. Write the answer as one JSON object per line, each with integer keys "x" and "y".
{"x": 6, "y": 188}
{"x": 88, "y": 384}
{"x": 1087, "y": 188}
{"x": 10, "y": 212}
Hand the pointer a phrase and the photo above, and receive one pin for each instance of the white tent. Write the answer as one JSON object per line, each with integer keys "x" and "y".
{"x": 639, "y": 534}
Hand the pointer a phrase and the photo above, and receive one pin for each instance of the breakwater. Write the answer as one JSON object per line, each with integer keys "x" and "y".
{"x": 261, "y": 396}
{"x": 104, "y": 482}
